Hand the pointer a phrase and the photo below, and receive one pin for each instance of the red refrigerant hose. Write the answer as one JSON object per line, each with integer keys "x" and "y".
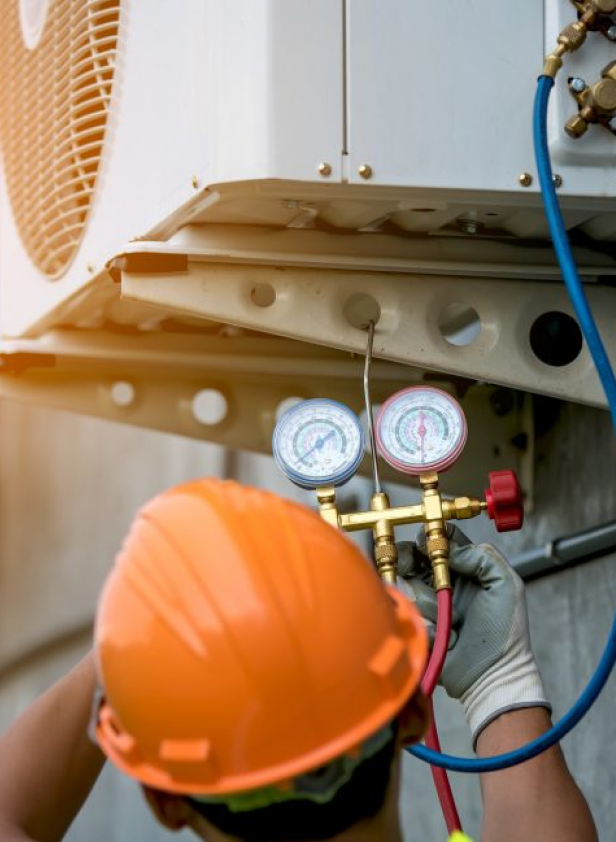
{"x": 428, "y": 684}
{"x": 441, "y": 643}
{"x": 441, "y": 779}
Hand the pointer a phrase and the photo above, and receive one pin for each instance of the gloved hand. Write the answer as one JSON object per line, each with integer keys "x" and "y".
{"x": 490, "y": 667}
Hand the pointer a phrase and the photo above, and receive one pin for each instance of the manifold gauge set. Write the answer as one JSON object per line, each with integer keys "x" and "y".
{"x": 320, "y": 442}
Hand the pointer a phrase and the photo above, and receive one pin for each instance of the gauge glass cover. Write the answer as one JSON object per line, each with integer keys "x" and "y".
{"x": 318, "y": 442}
{"x": 421, "y": 429}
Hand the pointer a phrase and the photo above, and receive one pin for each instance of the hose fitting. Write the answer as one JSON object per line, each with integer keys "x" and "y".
{"x": 437, "y": 543}
{"x": 592, "y": 15}
{"x": 385, "y": 550}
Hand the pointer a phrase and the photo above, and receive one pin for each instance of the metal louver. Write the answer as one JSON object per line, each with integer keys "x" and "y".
{"x": 54, "y": 103}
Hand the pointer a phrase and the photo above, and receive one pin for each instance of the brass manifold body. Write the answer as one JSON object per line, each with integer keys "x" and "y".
{"x": 434, "y": 511}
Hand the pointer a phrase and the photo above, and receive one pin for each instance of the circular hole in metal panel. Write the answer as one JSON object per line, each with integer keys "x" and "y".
{"x": 210, "y": 407}
{"x": 285, "y": 405}
{"x": 361, "y": 309}
{"x": 459, "y": 323}
{"x": 263, "y": 295}
{"x": 556, "y": 339}
{"x": 122, "y": 393}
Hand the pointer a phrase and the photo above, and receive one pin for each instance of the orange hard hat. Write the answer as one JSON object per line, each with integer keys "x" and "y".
{"x": 242, "y": 641}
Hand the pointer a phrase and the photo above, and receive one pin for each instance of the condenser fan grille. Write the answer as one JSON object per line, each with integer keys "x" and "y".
{"x": 54, "y": 103}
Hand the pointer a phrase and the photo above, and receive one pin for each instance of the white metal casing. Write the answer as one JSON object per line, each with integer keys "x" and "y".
{"x": 203, "y": 92}
{"x": 435, "y": 98}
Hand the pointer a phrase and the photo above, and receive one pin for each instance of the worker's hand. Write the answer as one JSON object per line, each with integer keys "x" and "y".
{"x": 490, "y": 667}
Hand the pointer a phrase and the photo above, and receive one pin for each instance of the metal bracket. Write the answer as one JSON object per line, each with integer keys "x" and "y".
{"x": 158, "y": 381}
{"x": 330, "y": 306}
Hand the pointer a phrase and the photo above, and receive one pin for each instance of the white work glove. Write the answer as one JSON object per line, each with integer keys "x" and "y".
{"x": 490, "y": 665}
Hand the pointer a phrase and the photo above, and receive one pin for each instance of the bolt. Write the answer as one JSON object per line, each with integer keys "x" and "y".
{"x": 365, "y": 171}
{"x": 525, "y": 179}
{"x": 468, "y": 226}
{"x": 557, "y": 180}
{"x": 325, "y": 169}
{"x": 578, "y": 85}
{"x": 194, "y": 181}
{"x": 611, "y": 33}
{"x": 612, "y": 124}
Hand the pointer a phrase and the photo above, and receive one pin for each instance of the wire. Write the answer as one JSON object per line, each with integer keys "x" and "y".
{"x": 368, "y": 403}
{"x": 604, "y": 369}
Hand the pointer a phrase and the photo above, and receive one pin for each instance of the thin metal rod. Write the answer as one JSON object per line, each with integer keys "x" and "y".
{"x": 368, "y": 402}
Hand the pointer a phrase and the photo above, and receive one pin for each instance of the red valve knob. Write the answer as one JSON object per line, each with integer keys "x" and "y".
{"x": 504, "y": 499}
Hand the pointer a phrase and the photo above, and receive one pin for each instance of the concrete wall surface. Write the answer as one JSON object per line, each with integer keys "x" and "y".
{"x": 69, "y": 487}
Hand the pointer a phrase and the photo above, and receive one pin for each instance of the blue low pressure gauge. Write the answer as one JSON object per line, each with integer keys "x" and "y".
{"x": 318, "y": 442}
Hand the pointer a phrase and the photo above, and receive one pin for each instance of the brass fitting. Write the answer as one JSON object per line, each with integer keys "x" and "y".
{"x": 601, "y": 7}
{"x": 592, "y": 16}
{"x": 462, "y": 508}
{"x": 437, "y": 543}
{"x": 596, "y": 103}
{"x": 327, "y": 505}
{"x": 385, "y": 550}
{"x": 381, "y": 519}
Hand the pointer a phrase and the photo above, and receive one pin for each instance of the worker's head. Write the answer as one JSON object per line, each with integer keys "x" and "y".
{"x": 256, "y": 675}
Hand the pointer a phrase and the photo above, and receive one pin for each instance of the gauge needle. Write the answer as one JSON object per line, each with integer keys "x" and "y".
{"x": 422, "y": 435}
{"x": 318, "y": 444}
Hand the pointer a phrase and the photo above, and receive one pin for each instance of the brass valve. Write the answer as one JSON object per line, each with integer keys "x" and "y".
{"x": 381, "y": 518}
{"x": 596, "y": 103}
{"x": 595, "y": 14}
{"x": 599, "y": 7}
{"x": 592, "y": 16}
{"x": 503, "y": 504}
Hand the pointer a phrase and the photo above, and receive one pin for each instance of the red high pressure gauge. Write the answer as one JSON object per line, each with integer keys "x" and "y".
{"x": 421, "y": 429}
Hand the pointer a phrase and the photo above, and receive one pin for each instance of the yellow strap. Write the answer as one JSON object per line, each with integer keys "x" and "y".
{"x": 459, "y": 837}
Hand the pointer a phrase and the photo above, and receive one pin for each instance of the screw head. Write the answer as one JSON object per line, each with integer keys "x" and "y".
{"x": 325, "y": 169}
{"x": 91, "y": 268}
{"x": 612, "y": 124}
{"x": 525, "y": 179}
{"x": 611, "y": 33}
{"x": 557, "y": 180}
{"x": 365, "y": 171}
{"x": 468, "y": 226}
{"x": 577, "y": 84}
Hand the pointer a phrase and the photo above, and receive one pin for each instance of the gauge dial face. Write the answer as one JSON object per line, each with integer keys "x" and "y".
{"x": 318, "y": 442}
{"x": 421, "y": 429}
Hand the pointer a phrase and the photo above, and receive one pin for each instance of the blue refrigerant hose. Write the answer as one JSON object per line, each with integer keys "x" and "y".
{"x": 606, "y": 375}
